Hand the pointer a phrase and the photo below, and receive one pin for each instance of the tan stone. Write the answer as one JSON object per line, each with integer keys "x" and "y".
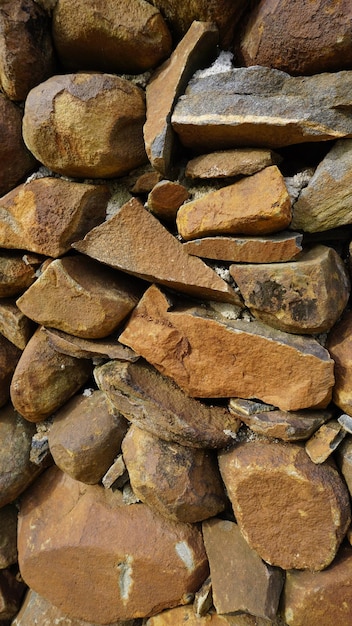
{"x": 306, "y": 295}
{"x": 45, "y": 379}
{"x": 210, "y": 356}
{"x": 256, "y": 205}
{"x": 14, "y": 325}
{"x": 117, "y": 475}
{"x": 344, "y": 461}
{"x": 197, "y": 47}
{"x": 339, "y": 344}
{"x": 80, "y": 348}
{"x": 241, "y": 581}
{"x": 16, "y": 159}
{"x": 134, "y": 241}
{"x": 165, "y": 199}
{"x": 11, "y": 592}
{"x": 8, "y": 535}
{"x": 82, "y": 536}
{"x": 17, "y": 272}
{"x": 325, "y": 441}
{"x": 185, "y": 615}
{"x": 225, "y": 163}
{"x": 265, "y": 249}
{"x": 108, "y": 141}
{"x": 9, "y": 357}
{"x": 145, "y": 182}
{"x": 307, "y": 503}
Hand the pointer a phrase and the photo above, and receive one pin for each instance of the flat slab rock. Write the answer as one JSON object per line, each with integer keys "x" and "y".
{"x": 184, "y": 344}
{"x": 106, "y": 348}
{"x": 225, "y": 163}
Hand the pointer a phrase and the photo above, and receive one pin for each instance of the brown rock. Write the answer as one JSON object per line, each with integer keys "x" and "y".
{"x": 309, "y": 503}
{"x": 120, "y": 574}
{"x": 306, "y": 295}
{"x": 11, "y": 592}
{"x": 80, "y": 297}
{"x": 339, "y": 344}
{"x": 17, "y": 272}
{"x": 195, "y": 50}
{"x": 134, "y": 241}
{"x": 45, "y": 379}
{"x": 178, "y": 482}
{"x": 154, "y": 403}
{"x": 185, "y": 615}
{"x": 325, "y": 441}
{"x": 80, "y": 348}
{"x": 344, "y": 461}
{"x": 165, "y": 199}
{"x": 300, "y": 37}
{"x": 210, "y": 356}
{"x": 108, "y": 141}
{"x": 14, "y": 325}
{"x": 145, "y": 182}
{"x": 234, "y": 567}
{"x": 117, "y": 475}
{"x": 9, "y": 357}
{"x": 226, "y": 163}
{"x": 8, "y": 535}
{"x": 85, "y": 438}
{"x": 256, "y": 205}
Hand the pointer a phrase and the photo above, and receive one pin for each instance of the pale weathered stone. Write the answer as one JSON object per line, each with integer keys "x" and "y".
{"x": 203, "y": 599}
{"x": 16, "y": 160}
{"x": 154, "y": 403}
{"x": 165, "y": 199}
{"x": 265, "y": 249}
{"x": 346, "y": 422}
{"x": 307, "y": 503}
{"x": 185, "y": 615}
{"x": 45, "y": 379}
{"x": 120, "y": 575}
{"x": 117, "y": 475}
{"x": 8, "y": 535}
{"x": 325, "y": 441}
{"x": 225, "y": 163}
{"x": 241, "y": 580}
{"x": 256, "y": 205}
{"x": 259, "y": 106}
{"x": 134, "y": 241}
{"x": 306, "y": 295}
{"x": 9, "y": 357}
{"x": 210, "y": 356}
{"x": 12, "y": 589}
{"x": 179, "y": 482}
{"x": 47, "y": 214}
{"x": 91, "y": 35}
{"x": 195, "y": 50}
{"x": 80, "y": 297}
{"x": 14, "y": 325}
{"x": 339, "y": 344}
{"x": 80, "y": 348}
{"x": 108, "y": 141}
{"x": 17, "y": 272}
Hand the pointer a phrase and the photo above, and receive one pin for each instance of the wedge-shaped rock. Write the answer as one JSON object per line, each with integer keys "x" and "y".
{"x": 14, "y": 325}
{"x": 134, "y": 241}
{"x": 82, "y": 536}
{"x": 306, "y": 295}
{"x": 325, "y": 441}
{"x": 154, "y": 403}
{"x": 339, "y": 344}
{"x": 258, "y": 106}
{"x": 17, "y": 272}
{"x": 309, "y": 503}
{"x": 225, "y": 163}
{"x": 47, "y": 214}
{"x": 209, "y": 356}
{"x": 16, "y": 159}
{"x": 108, "y": 348}
{"x": 79, "y": 296}
{"x": 256, "y": 205}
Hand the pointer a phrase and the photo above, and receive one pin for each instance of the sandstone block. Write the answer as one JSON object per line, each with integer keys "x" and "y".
{"x": 325, "y": 441}
{"x": 307, "y": 503}
{"x": 165, "y": 199}
{"x": 17, "y": 272}
{"x": 108, "y": 141}
{"x": 14, "y": 325}
{"x": 8, "y": 535}
{"x": 185, "y": 615}
{"x": 16, "y": 159}
{"x": 339, "y": 345}
{"x": 344, "y": 461}
{"x": 108, "y": 348}
{"x": 226, "y": 163}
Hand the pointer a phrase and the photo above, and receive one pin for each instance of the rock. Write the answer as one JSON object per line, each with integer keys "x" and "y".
{"x": 80, "y": 348}
{"x": 105, "y": 37}
{"x": 45, "y": 379}
{"x": 8, "y": 536}
{"x": 17, "y": 272}
{"x": 318, "y": 41}
{"x": 306, "y": 295}
{"x": 185, "y": 615}
{"x": 80, "y": 297}
{"x": 134, "y": 241}
{"x": 256, "y": 205}
{"x": 320, "y": 598}
{"x": 184, "y": 344}
{"x": 261, "y": 107}
{"x": 108, "y": 141}
{"x": 117, "y": 475}
{"x": 26, "y": 50}
{"x": 165, "y": 199}
{"x": 226, "y": 163}
{"x": 145, "y": 182}
{"x": 179, "y": 482}
{"x": 14, "y": 325}
{"x": 121, "y": 576}
{"x": 155, "y": 403}
{"x": 11, "y": 592}
{"x": 9, "y": 357}
{"x": 260, "y": 249}
{"x": 47, "y": 214}
{"x": 309, "y": 503}
{"x": 346, "y": 422}
{"x": 85, "y": 438}
{"x": 326, "y": 201}
{"x": 203, "y": 599}
{"x": 339, "y": 345}
{"x": 325, "y": 441}
{"x": 195, "y": 50}
{"x": 234, "y": 566}
{"x": 344, "y": 461}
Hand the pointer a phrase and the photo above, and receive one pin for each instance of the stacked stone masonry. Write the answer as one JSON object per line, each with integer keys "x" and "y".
{"x": 175, "y": 313}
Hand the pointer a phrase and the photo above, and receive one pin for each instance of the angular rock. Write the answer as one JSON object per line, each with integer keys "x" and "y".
{"x": 234, "y": 567}
{"x": 226, "y": 163}
{"x": 326, "y": 201}
{"x": 265, "y": 249}
{"x": 85, "y": 438}
{"x": 210, "y": 356}
{"x": 121, "y": 575}
{"x": 165, "y": 199}
{"x": 11, "y": 591}
{"x": 45, "y": 379}
{"x": 180, "y": 483}
{"x": 17, "y": 272}
{"x": 8, "y": 535}
{"x": 9, "y": 357}
{"x": 325, "y": 441}
{"x": 154, "y": 403}
{"x": 14, "y": 325}
{"x": 117, "y": 475}
{"x": 262, "y": 107}
{"x": 319, "y": 39}
{"x": 109, "y": 38}
{"x": 108, "y": 141}
{"x": 185, "y": 615}
{"x": 257, "y": 205}
{"x": 145, "y": 182}
{"x": 203, "y": 599}
{"x": 306, "y": 295}
{"x": 339, "y": 345}
{"x": 309, "y": 503}
{"x": 344, "y": 461}
{"x": 80, "y": 297}
{"x": 134, "y": 241}
{"x": 346, "y": 422}
{"x": 80, "y": 348}
{"x": 196, "y": 49}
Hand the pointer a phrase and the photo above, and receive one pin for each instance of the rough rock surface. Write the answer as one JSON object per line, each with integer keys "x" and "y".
{"x": 185, "y": 615}
{"x": 16, "y": 159}
{"x": 344, "y": 461}
{"x": 14, "y": 325}
{"x": 8, "y": 535}
{"x": 17, "y": 272}
{"x": 226, "y": 163}
{"x": 339, "y": 344}
{"x": 9, "y": 357}
{"x": 165, "y": 199}
{"x": 108, "y": 347}
{"x": 324, "y": 441}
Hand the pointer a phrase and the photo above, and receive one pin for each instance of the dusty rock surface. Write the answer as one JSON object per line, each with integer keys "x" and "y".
{"x": 226, "y": 163}
{"x": 339, "y": 345}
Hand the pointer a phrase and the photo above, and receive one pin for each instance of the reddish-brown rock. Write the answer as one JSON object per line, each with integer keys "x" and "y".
{"x": 165, "y": 199}
{"x": 17, "y": 272}
{"x": 339, "y": 344}
{"x": 8, "y": 535}
{"x": 307, "y": 503}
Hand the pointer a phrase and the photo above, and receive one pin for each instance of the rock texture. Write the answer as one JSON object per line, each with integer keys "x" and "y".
{"x": 16, "y": 158}
{"x": 226, "y": 163}
{"x": 339, "y": 345}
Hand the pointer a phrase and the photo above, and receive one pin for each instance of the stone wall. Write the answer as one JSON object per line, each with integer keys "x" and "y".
{"x": 175, "y": 347}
